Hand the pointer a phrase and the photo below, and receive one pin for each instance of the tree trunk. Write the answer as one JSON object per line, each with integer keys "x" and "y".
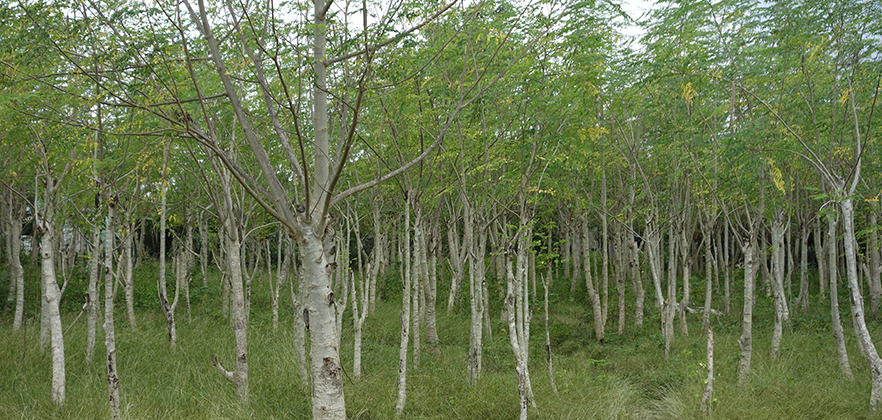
{"x": 239, "y": 376}
{"x": 875, "y": 261}
{"x": 862, "y": 334}
{"x": 802, "y": 301}
{"x": 477, "y": 289}
{"x": 593, "y": 293}
{"x": 109, "y": 295}
{"x": 405, "y": 314}
{"x": 92, "y": 293}
{"x": 838, "y": 335}
{"x": 687, "y": 259}
{"x": 652, "y": 237}
{"x": 358, "y": 297}
{"x": 518, "y": 313}
{"x": 709, "y": 386}
{"x": 782, "y": 314}
{"x": 168, "y": 310}
{"x": 751, "y": 265}
{"x": 45, "y": 224}
{"x": 548, "y": 357}
{"x": 727, "y": 265}
{"x": 707, "y": 234}
{"x": 669, "y": 310}
{"x": 823, "y": 275}
{"x": 16, "y": 280}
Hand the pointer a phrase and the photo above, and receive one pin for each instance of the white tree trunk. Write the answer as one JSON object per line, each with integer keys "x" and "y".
{"x": 359, "y": 300}
{"x": 751, "y": 265}
{"x": 109, "y": 295}
{"x": 92, "y": 293}
{"x": 875, "y": 260}
{"x": 128, "y": 274}
{"x": 518, "y": 314}
{"x": 548, "y": 357}
{"x": 45, "y": 224}
{"x": 16, "y": 279}
{"x": 686, "y": 254}
{"x": 709, "y": 386}
{"x": 802, "y": 301}
{"x": 405, "y": 314}
{"x": 328, "y": 400}
{"x": 168, "y": 310}
{"x": 475, "y": 253}
{"x": 819, "y": 257}
{"x": 706, "y": 230}
{"x": 782, "y": 314}
{"x": 239, "y": 376}
{"x": 838, "y": 335}
{"x": 862, "y": 334}
{"x": 593, "y": 292}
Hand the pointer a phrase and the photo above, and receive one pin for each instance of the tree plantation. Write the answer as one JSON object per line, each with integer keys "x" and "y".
{"x": 486, "y": 209}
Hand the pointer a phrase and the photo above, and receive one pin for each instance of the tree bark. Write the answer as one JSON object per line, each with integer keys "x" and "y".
{"x": 751, "y": 265}
{"x": 16, "y": 280}
{"x": 782, "y": 314}
{"x": 109, "y": 295}
{"x": 45, "y": 224}
{"x": 405, "y": 313}
{"x": 593, "y": 292}
{"x": 875, "y": 260}
{"x": 92, "y": 293}
{"x": 862, "y": 334}
{"x": 838, "y": 336}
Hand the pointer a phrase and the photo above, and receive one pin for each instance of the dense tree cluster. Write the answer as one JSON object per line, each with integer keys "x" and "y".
{"x": 480, "y": 150}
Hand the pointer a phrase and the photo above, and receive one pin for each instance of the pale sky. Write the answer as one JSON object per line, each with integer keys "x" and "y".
{"x": 635, "y": 9}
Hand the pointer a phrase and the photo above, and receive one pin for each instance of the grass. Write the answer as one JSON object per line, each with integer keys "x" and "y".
{"x": 625, "y": 378}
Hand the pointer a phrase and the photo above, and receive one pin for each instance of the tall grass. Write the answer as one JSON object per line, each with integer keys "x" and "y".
{"x": 625, "y": 378}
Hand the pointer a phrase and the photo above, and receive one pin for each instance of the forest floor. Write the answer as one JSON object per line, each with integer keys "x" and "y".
{"x": 627, "y": 377}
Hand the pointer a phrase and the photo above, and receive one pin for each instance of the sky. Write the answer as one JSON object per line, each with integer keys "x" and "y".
{"x": 635, "y": 9}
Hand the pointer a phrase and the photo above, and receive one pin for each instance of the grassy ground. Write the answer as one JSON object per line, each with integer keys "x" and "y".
{"x": 625, "y": 378}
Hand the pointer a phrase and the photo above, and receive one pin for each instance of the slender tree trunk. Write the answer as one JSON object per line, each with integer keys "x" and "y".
{"x": 358, "y": 320}
{"x": 782, "y": 314}
{"x": 593, "y": 293}
{"x": 92, "y": 293}
{"x": 428, "y": 289}
{"x": 517, "y": 304}
{"x": 670, "y": 310}
{"x": 168, "y": 310}
{"x": 875, "y": 260}
{"x": 727, "y": 269}
{"x": 203, "y": 250}
{"x": 16, "y": 280}
{"x": 823, "y": 274}
{"x": 802, "y": 301}
{"x": 709, "y": 386}
{"x": 838, "y": 335}
{"x": 457, "y": 263}
{"x": 476, "y": 290}
{"x": 751, "y": 265}
{"x": 45, "y": 224}
{"x": 109, "y": 294}
{"x": 548, "y": 357}
{"x": 685, "y": 252}
{"x": 652, "y": 237}
{"x": 239, "y": 376}
{"x": 862, "y": 334}
{"x": 405, "y": 314}
{"x": 706, "y": 230}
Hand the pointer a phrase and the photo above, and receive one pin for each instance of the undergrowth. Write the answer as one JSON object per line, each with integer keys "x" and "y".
{"x": 626, "y": 377}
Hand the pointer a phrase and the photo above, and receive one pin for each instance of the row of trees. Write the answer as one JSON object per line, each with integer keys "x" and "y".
{"x": 481, "y": 146}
